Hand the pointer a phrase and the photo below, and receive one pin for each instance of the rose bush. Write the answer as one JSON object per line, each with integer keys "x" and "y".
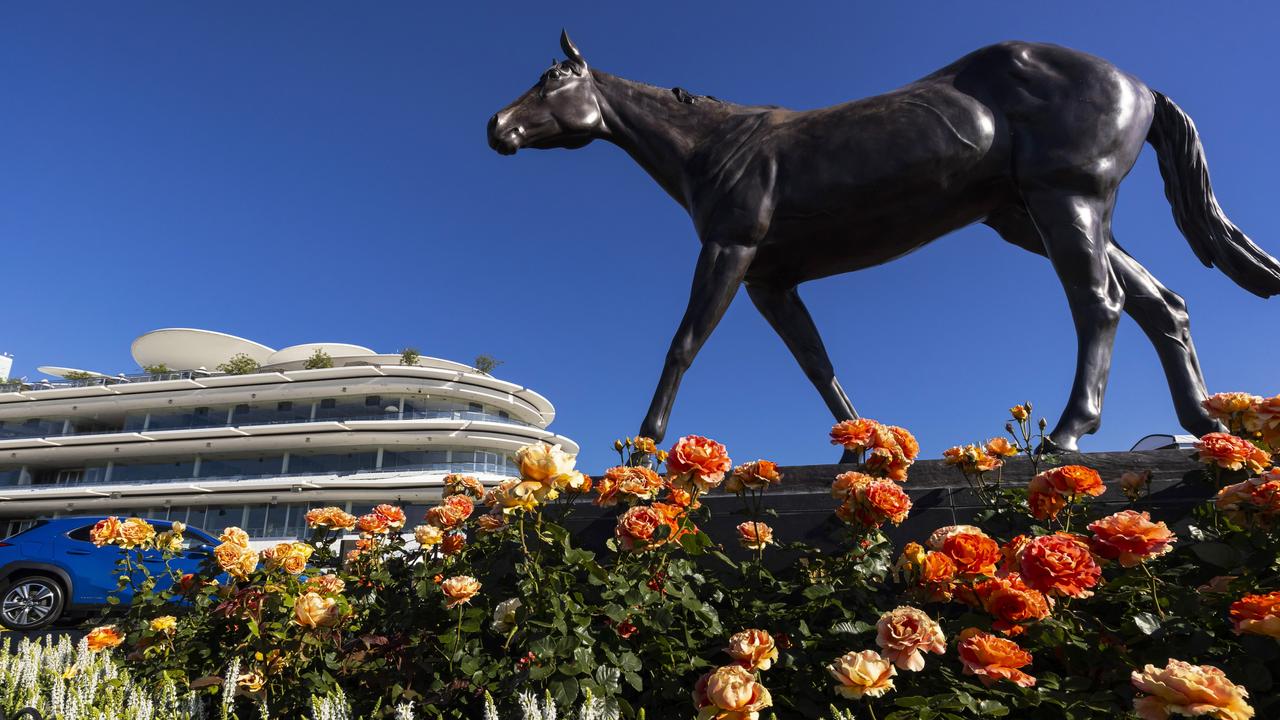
{"x": 1041, "y": 607}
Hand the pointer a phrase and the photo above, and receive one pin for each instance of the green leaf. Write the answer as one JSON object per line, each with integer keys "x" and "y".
{"x": 992, "y": 708}
{"x": 1146, "y": 622}
{"x": 911, "y": 701}
{"x": 1217, "y": 554}
{"x": 813, "y": 592}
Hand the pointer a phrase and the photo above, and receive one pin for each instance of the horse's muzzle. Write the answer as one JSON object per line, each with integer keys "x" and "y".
{"x": 504, "y": 138}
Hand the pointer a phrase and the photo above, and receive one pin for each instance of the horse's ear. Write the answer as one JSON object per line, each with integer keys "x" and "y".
{"x": 571, "y": 52}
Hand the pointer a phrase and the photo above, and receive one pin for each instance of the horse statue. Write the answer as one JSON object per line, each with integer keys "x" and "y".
{"x": 1029, "y": 139}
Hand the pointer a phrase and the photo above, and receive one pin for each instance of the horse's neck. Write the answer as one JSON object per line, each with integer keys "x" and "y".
{"x": 655, "y": 128}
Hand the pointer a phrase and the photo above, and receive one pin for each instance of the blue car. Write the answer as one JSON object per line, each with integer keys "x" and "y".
{"x": 52, "y": 570}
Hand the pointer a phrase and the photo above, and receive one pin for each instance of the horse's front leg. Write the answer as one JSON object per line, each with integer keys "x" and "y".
{"x": 719, "y": 272}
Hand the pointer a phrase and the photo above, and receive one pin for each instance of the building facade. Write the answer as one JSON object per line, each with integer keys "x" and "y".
{"x": 259, "y": 442}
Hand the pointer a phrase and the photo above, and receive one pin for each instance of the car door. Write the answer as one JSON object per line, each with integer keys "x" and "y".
{"x": 93, "y": 570}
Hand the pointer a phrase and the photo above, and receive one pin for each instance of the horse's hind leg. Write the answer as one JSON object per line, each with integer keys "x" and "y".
{"x": 788, "y": 316}
{"x": 1158, "y": 311}
{"x": 1074, "y": 230}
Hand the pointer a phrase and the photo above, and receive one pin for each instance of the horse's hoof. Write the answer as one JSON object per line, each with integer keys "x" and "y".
{"x": 1052, "y": 446}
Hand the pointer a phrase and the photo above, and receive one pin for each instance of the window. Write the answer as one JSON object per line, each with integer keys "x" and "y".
{"x": 284, "y": 406}
{"x": 504, "y": 414}
{"x": 475, "y": 407}
{"x": 328, "y": 404}
{"x": 81, "y": 534}
{"x": 373, "y": 401}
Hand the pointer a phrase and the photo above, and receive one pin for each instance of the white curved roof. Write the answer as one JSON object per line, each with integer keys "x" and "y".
{"x": 59, "y": 371}
{"x": 190, "y": 348}
{"x": 299, "y": 353}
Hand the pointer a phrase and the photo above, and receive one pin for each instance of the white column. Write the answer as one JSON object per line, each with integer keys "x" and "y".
{"x": 284, "y": 465}
{"x": 195, "y": 471}
{"x": 106, "y": 474}
{"x": 377, "y": 464}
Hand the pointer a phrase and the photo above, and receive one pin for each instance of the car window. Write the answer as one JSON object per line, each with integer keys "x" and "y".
{"x": 81, "y": 533}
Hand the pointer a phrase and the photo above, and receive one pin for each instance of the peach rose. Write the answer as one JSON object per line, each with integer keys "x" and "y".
{"x": 330, "y": 518}
{"x": 1042, "y": 502}
{"x": 1059, "y": 564}
{"x": 1130, "y": 538}
{"x": 515, "y": 494}
{"x": 1255, "y": 501}
{"x": 1231, "y": 453}
{"x": 696, "y": 462}
{"x": 855, "y": 435}
{"x": 905, "y": 634}
{"x": 907, "y": 443}
{"x": 1072, "y": 481}
{"x": 876, "y": 503}
{"x": 1185, "y": 689}
{"x": 972, "y": 553}
{"x": 104, "y": 638}
{"x": 1257, "y": 615}
{"x": 861, "y": 674}
{"x": 394, "y": 515}
{"x": 730, "y": 693}
{"x": 681, "y": 497}
{"x": 295, "y": 561}
{"x": 629, "y": 484}
{"x": 1000, "y": 447}
{"x": 1011, "y": 603}
{"x": 236, "y": 560}
{"x": 754, "y": 535}
{"x": 1264, "y": 418}
{"x": 235, "y": 536}
{"x": 892, "y": 453}
{"x": 971, "y": 459}
{"x": 106, "y": 531}
{"x": 756, "y": 475}
{"x": 313, "y": 610}
{"x": 136, "y": 532}
{"x": 637, "y": 528}
{"x": 459, "y": 590}
{"x": 325, "y": 584}
{"x": 846, "y": 483}
{"x": 753, "y": 649}
{"x": 372, "y": 524}
{"x": 448, "y": 516}
{"x": 428, "y": 535}
{"x": 491, "y": 523}
{"x": 1228, "y": 406}
{"x": 993, "y": 658}
{"x": 547, "y": 465}
{"x": 455, "y": 484}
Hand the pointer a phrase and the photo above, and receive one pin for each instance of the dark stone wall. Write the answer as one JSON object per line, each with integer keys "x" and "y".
{"x": 939, "y": 496}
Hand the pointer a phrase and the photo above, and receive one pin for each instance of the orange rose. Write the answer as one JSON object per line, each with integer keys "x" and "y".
{"x": 459, "y": 590}
{"x": 631, "y": 483}
{"x": 855, "y": 435}
{"x": 104, "y": 638}
{"x": 394, "y": 515}
{"x": 1231, "y": 453}
{"x": 313, "y": 610}
{"x": 1011, "y": 603}
{"x": 1072, "y": 481}
{"x": 905, "y": 634}
{"x": 906, "y": 442}
{"x": 754, "y": 535}
{"x": 455, "y": 484}
{"x": 876, "y": 503}
{"x": 236, "y": 560}
{"x": 730, "y": 693}
{"x": 972, "y": 553}
{"x": 136, "y": 532}
{"x": 453, "y": 543}
{"x": 1000, "y": 447}
{"x": 847, "y": 483}
{"x": 753, "y": 649}
{"x": 330, "y": 518}
{"x": 1257, "y": 614}
{"x": 696, "y": 462}
{"x": 993, "y": 658}
{"x": 1185, "y": 689}
{"x": 1130, "y": 537}
{"x": 1020, "y": 412}
{"x": 756, "y": 475}
{"x": 1253, "y": 502}
{"x": 939, "y": 536}
{"x": 450, "y": 515}
{"x": 971, "y": 459}
{"x": 637, "y": 528}
{"x": 932, "y": 573}
{"x": 372, "y": 524}
{"x": 644, "y": 445}
{"x": 295, "y": 562}
{"x": 862, "y": 674}
{"x": 106, "y": 531}
{"x": 1042, "y": 501}
{"x": 491, "y": 523}
{"x": 1059, "y": 564}
{"x": 1264, "y": 418}
{"x": 892, "y": 453}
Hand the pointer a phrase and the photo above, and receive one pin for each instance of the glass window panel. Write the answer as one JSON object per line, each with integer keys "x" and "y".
{"x": 255, "y": 520}
{"x": 212, "y": 467}
{"x": 10, "y": 477}
{"x": 150, "y": 472}
{"x": 277, "y": 521}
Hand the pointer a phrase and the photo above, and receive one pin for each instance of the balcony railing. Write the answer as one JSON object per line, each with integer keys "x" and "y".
{"x": 20, "y": 386}
{"x": 443, "y": 467}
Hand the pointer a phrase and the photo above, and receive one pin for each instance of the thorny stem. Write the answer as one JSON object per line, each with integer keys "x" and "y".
{"x": 457, "y": 641}
{"x": 1155, "y": 598}
{"x": 871, "y": 710}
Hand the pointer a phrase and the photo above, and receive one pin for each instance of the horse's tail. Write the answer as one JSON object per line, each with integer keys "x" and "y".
{"x": 1215, "y": 240}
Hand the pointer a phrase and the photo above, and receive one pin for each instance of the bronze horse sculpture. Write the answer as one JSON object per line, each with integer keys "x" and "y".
{"x": 1029, "y": 139}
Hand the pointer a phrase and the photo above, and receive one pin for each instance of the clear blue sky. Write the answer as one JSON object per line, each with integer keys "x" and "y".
{"x": 315, "y": 171}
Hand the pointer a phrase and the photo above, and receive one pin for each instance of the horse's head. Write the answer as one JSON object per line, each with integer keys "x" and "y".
{"x": 560, "y": 111}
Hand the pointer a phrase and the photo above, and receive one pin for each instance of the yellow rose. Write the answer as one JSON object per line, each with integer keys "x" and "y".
{"x": 428, "y": 535}
{"x": 862, "y": 673}
{"x": 136, "y": 532}
{"x": 313, "y": 610}
{"x": 235, "y": 536}
{"x": 164, "y": 624}
{"x": 543, "y": 463}
{"x": 296, "y": 561}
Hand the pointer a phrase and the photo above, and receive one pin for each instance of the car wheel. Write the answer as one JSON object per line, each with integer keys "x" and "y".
{"x": 31, "y": 603}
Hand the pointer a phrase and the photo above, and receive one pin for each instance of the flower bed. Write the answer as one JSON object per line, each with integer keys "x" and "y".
{"x": 1040, "y": 608}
